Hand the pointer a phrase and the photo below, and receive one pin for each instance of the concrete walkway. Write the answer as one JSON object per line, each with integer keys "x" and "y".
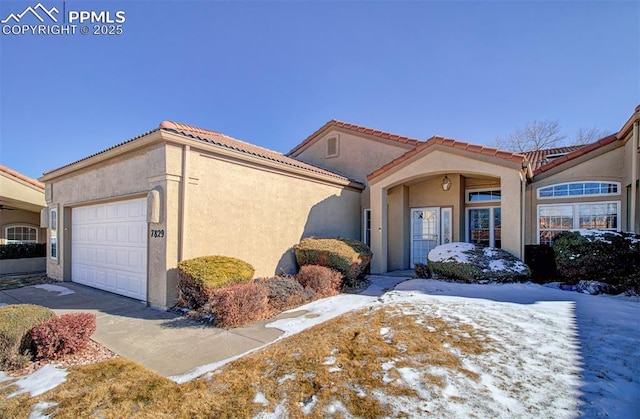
{"x": 161, "y": 341}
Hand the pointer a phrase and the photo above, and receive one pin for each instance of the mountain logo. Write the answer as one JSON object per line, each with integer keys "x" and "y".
{"x": 34, "y": 11}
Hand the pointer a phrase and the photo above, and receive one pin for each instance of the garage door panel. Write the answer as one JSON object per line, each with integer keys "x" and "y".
{"x": 109, "y": 247}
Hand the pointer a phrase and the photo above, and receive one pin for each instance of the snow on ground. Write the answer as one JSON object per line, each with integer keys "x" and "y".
{"x": 552, "y": 353}
{"x": 55, "y": 288}
{"x": 40, "y": 381}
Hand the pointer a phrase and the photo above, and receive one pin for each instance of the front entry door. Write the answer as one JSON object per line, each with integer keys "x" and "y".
{"x": 425, "y": 233}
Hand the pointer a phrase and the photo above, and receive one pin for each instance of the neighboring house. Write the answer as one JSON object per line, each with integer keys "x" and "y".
{"x": 21, "y": 200}
{"x": 123, "y": 218}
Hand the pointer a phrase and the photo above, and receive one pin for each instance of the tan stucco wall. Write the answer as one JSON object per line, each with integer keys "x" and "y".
{"x": 608, "y": 166}
{"x": 123, "y": 177}
{"x": 258, "y": 215}
{"x": 21, "y": 194}
{"x": 358, "y": 155}
{"x": 432, "y": 164}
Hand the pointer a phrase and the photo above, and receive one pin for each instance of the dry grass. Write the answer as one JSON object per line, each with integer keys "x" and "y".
{"x": 347, "y": 361}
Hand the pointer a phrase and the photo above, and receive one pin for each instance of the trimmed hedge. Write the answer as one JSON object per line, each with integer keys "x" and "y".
{"x": 63, "y": 335}
{"x": 473, "y": 264}
{"x": 347, "y": 256}
{"x": 23, "y": 250}
{"x": 199, "y": 278}
{"x": 16, "y": 322}
{"x": 239, "y": 304}
{"x": 324, "y": 281}
{"x": 285, "y": 292}
{"x": 422, "y": 270}
{"x": 596, "y": 255}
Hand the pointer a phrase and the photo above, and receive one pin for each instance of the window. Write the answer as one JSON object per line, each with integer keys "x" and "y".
{"x": 553, "y": 219}
{"x": 484, "y": 195}
{"x": 578, "y": 189}
{"x": 21, "y": 234}
{"x": 485, "y": 226}
{"x": 332, "y": 147}
{"x": 366, "y": 227}
{"x": 53, "y": 234}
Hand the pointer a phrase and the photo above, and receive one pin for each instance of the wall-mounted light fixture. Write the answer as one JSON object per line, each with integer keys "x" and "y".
{"x": 446, "y": 183}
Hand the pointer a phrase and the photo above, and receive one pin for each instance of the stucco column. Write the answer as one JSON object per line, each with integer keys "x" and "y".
{"x": 511, "y": 214}
{"x": 379, "y": 230}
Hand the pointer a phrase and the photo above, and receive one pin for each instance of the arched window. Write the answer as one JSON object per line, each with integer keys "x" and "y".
{"x": 579, "y": 189}
{"x": 21, "y": 234}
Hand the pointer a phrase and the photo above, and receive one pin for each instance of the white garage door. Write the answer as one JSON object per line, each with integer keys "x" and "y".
{"x": 109, "y": 247}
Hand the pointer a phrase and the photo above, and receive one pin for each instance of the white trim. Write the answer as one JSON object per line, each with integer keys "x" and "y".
{"x": 575, "y": 214}
{"x": 443, "y": 230}
{"x": 467, "y": 191}
{"x": 437, "y": 225}
{"x": 53, "y": 234}
{"x": 578, "y": 196}
{"x": 492, "y": 239}
{"x": 366, "y": 239}
{"x": 6, "y": 233}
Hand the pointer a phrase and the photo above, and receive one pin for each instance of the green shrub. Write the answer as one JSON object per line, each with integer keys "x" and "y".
{"x": 239, "y": 304}
{"x": 198, "y": 278}
{"x": 22, "y": 250}
{"x": 421, "y": 270}
{"x": 16, "y": 322}
{"x": 324, "y": 281}
{"x": 473, "y": 264}
{"x": 347, "y": 256}
{"x": 605, "y": 256}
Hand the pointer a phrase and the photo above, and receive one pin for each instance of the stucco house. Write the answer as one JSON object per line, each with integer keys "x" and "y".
{"x": 122, "y": 219}
{"x": 21, "y": 200}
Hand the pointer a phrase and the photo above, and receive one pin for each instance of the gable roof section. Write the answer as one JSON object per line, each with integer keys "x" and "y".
{"x": 21, "y": 177}
{"x": 221, "y": 140}
{"x": 449, "y": 142}
{"x": 334, "y": 123}
{"x": 580, "y": 151}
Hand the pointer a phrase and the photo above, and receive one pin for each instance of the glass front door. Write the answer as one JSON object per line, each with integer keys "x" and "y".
{"x": 425, "y": 233}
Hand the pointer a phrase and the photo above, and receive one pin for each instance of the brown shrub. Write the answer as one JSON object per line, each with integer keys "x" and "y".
{"x": 62, "y": 335}
{"x": 239, "y": 304}
{"x": 285, "y": 292}
{"x": 324, "y": 281}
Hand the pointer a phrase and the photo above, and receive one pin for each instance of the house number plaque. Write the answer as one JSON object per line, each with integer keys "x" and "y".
{"x": 157, "y": 233}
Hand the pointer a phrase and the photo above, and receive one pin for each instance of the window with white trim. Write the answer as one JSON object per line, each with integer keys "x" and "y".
{"x": 21, "y": 234}
{"x": 333, "y": 146}
{"x": 554, "y": 219}
{"x": 483, "y": 195}
{"x": 484, "y": 226}
{"x": 579, "y": 189}
{"x": 53, "y": 234}
{"x": 366, "y": 227}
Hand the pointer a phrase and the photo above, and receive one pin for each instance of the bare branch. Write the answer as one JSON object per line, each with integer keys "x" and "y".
{"x": 533, "y": 136}
{"x": 589, "y": 135}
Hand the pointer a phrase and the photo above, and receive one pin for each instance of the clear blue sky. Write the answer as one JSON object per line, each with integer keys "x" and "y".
{"x": 271, "y": 73}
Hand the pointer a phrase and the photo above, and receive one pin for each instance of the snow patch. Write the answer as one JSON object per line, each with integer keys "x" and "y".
{"x": 40, "y": 381}
{"x": 38, "y": 409}
{"x": 451, "y": 252}
{"x": 55, "y": 288}
{"x": 260, "y": 398}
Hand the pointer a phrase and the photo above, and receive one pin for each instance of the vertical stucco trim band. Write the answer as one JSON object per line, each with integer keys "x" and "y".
{"x": 186, "y": 149}
{"x": 634, "y": 176}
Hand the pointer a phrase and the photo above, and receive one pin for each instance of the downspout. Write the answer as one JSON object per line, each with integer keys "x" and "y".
{"x": 183, "y": 203}
{"x": 634, "y": 176}
{"x": 523, "y": 188}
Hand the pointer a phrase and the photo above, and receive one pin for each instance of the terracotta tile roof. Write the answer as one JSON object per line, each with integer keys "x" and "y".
{"x": 100, "y": 152}
{"x": 576, "y": 153}
{"x": 449, "y": 142}
{"x": 222, "y": 140}
{"x": 355, "y": 128}
{"x": 538, "y": 158}
{"x": 22, "y": 177}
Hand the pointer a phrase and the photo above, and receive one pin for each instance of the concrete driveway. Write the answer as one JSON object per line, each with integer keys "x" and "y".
{"x": 161, "y": 341}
